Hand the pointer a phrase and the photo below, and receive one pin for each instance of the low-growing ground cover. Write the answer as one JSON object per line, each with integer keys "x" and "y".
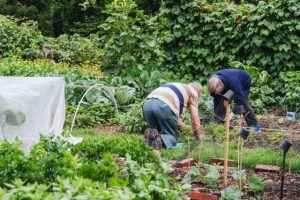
{"x": 110, "y": 167}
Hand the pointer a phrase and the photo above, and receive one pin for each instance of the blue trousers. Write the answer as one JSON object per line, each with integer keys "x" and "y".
{"x": 159, "y": 116}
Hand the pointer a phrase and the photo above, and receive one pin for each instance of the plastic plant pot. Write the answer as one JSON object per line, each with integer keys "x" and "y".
{"x": 240, "y": 109}
{"x": 244, "y": 133}
{"x": 285, "y": 146}
{"x": 290, "y": 117}
{"x": 229, "y": 95}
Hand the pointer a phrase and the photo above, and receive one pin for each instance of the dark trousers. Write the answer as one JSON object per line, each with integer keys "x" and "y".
{"x": 159, "y": 116}
{"x": 220, "y": 110}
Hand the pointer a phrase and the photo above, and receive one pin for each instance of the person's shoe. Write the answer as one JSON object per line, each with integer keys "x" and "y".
{"x": 256, "y": 128}
{"x": 153, "y": 138}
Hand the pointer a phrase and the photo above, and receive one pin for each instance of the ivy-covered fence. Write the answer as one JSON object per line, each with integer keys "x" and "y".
{"x": 204, "y": 37}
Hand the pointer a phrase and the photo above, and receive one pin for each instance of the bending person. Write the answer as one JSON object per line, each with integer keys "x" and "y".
{"x": 163, "y": 107}
{"x": 239, "y": 82}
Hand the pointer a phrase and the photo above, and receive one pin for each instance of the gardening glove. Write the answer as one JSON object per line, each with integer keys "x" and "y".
{"x": 256, "y": 128}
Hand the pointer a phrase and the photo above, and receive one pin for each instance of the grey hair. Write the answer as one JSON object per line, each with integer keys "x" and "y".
{"x": 213, "y": 83}
{"x": 197, "y": 87}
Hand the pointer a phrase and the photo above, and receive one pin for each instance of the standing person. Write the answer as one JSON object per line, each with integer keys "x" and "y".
{"x": 239, "y": 82}
{"x": 163, "y": 107}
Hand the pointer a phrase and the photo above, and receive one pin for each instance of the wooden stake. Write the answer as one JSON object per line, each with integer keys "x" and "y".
{"x": 239, "y": 141}
{"x": 290, "y": 159}
{"x": 226, "y": 144}
{"x": 241, "y": 157}
{"x": 291, "y": 151}
{"x": 239, "y": 153}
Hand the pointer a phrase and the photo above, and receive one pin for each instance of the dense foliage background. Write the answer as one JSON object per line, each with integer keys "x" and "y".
{"x": 134, "y": 46}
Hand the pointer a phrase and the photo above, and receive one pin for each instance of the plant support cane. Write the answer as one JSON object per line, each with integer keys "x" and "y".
{"x": 240, "y": 110}
{"x": 229, "y": 95}
{"x": 239, "y": 152}
{"x": 226, "y": 144}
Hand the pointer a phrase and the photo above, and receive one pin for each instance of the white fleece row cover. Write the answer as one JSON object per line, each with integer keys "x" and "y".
{"x": 30, "y": 106}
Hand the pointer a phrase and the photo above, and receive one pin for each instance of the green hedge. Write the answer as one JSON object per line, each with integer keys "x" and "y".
{"x": 23, "y": 39}
{"x": 206, "y": 37}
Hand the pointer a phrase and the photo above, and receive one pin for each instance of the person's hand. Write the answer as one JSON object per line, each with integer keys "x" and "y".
{"x": 186, "y": 130}
{"x": 182, "y": 126}
{"x": 226, "y": 103}
{"x": 200, "y": 136}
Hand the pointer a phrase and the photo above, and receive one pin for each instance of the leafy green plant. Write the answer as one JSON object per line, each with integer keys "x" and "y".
{"x": 91, "y": 115}
{"x": 21, "y": 38}
{"x": 213, "y": 176}
{"x": 76, "y": 49}
{"x": 289, "y": 87}
{"x": 13, "y": 161}
{"x": 191, "y": 176}
{"x": 240, "y": 176}
{"x": 133, "y": 121}
{"x": 257, "y": 184}
{"x": 231, "y": 193}
{"x": 206, "y": 36}
{"x": 131, "y": 37}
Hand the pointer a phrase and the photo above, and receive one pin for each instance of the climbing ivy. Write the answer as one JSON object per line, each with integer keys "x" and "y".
{"x": 205, "y": 37}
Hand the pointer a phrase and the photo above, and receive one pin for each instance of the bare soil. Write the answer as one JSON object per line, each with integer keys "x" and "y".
{"x": 271, "y": 190}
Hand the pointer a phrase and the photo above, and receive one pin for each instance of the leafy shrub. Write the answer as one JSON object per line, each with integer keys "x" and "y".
{"x": 205, "y": 37}
{"x": 48, "y": 160}
{"x": 76, "y": 49}
{"x": 133, "y": 121}
{"x": 289, "y": 86}
{"x": 130, "y": 37}
{"x": 117, "y": 144}
{"x": 13, "y": 161}
{"x": 19, "y": 38}
{"x": 90, "y": 115}
{"x": 53, "y": 167}
{"x": 23, "y": 39}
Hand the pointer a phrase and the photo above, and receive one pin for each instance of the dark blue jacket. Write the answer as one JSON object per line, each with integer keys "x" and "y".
{"x": 236, "y": 80}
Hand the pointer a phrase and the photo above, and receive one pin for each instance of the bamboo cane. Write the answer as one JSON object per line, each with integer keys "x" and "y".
{"x": 239, "y": 153}
{"x": 226, "y": 144}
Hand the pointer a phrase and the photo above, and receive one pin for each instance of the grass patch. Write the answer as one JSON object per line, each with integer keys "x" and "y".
{"x": 251, "y": 157}
{"x": 92, "y": 134}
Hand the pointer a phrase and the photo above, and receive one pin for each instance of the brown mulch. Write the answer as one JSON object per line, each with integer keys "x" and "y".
{"x": 110, "y": 128}
{"x": 271, "y": 190}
